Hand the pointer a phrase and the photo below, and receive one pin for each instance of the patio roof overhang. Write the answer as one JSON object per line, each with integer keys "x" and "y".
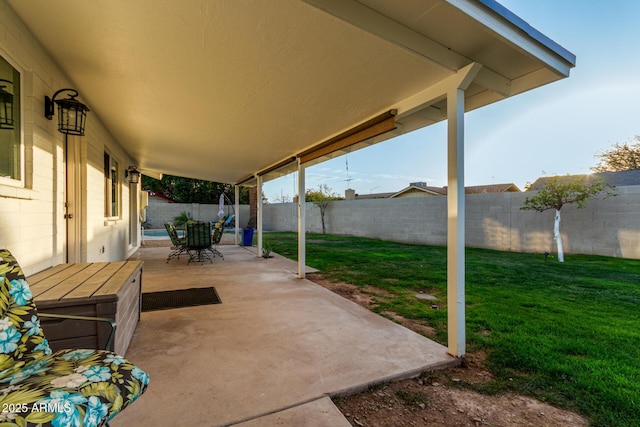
{"x": 240, "y": 92}
{"x": 225, "y": 90}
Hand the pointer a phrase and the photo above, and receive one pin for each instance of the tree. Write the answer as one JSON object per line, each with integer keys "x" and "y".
{"x": 182, "y": 219}
{"x": 557, "y": 191}
{"x": 621, "y": 157}
{"x": 189, "y": 190}
{"x": 321, "y": 198}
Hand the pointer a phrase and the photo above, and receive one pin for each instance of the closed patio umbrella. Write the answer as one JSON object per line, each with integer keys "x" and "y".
{"x": 221, "y": 207}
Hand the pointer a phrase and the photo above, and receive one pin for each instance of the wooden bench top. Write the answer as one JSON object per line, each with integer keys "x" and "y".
{"x": 89, "y": 281}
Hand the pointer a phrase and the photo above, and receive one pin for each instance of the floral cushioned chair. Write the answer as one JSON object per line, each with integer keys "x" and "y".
{"x": 79, "y": 388}
{"x": 218, "y": 230}
{"x": 179, "y": 243}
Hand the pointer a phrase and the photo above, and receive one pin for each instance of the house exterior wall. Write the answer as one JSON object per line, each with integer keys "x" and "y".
{"x": 32, "y": 222}
{"x": 609, "y": 227}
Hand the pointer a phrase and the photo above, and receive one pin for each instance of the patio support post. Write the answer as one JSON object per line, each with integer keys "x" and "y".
{"x": 302, "y": 249}
{"x": 260, "y": 209}
{"x": 237, "y": 212}
{"x": 455, "y": 224}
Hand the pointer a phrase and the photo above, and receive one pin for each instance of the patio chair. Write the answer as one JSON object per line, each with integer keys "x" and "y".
{"x": 229, "y": 220}
{"x": 198, "y": 243}
{"x": 178, "y": 242}
{"x": 218, "y": 230}
{"x": 65, "y": 388}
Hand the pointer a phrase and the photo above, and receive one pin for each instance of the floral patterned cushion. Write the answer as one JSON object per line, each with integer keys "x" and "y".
{"x": 78, "y": 388}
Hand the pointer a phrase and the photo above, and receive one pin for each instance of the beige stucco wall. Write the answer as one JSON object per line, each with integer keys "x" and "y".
{"x": 608, "y": 227}
{"x": 32, "y": 223}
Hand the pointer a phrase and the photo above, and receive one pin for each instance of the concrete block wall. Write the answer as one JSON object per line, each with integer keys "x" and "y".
{"x": 159, "y": 213}
{"x": 609, "y": 227}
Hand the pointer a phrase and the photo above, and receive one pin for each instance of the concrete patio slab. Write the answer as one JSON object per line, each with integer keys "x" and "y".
{"x": 318, "y": 413}
{"x": 275, "y": 343}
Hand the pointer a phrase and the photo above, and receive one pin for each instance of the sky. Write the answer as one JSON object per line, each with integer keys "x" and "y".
{"x": 556, "y": 129}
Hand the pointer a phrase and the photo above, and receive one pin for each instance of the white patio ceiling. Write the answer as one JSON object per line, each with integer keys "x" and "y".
{"x": 221, "y": 90}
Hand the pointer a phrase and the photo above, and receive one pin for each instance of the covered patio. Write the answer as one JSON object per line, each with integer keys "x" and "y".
{"x": 270, "y": 354}
{"x": 242, "y": 92}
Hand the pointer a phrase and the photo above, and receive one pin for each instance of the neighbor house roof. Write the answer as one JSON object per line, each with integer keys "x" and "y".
{"x": 617, "y": 179}
{"x": 492, "y": 188}
{"x": 621, "y": 178}
{"x": 373, "y": 196}
{"x": 420, "y": 188}
{"x": 424, "y": 189}
{"x": 224, "y": 90}
{"x": 160, "y": 196}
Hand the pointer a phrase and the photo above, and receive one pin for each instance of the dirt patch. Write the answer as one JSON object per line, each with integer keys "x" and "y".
{"x": 365, "y": 297}
{"x": 427, "y": 401}
{"x": 438, "y": 398}
{"x": 414, "y": 325}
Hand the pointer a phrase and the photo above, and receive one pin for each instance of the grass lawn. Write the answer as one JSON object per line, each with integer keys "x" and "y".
{"x": 566, "y": 333}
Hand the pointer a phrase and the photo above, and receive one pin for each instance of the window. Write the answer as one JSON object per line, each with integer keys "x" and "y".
{"x": 10, "y": 123}
{"x": 111, "y": 187}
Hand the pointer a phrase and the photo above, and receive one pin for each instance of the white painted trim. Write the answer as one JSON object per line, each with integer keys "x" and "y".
{"x": 514, "y": 34}
{"x": 302, "y": 250}
{"x": 455, "y": 224}
{"x": 236, "y": 232}
{"x": 260, "y": 212}
{"x": 456, "y": 320}
{"x": 22, "y": 182}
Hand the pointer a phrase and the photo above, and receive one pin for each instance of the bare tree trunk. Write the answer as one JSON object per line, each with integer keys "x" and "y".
{"x": 558, "y": 237}
{"x": 323, "y": 208}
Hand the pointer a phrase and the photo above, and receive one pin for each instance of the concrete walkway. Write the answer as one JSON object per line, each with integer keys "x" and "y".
{"x": 268, "y": 355}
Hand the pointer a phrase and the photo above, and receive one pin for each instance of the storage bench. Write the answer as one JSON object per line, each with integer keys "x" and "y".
{"x": 99, "y": 289}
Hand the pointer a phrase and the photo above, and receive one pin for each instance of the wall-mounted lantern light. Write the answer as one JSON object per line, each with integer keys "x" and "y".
{"x": 133, "y": 173}
{"x": 6, "y": 106}
{"x": 72, "y": 114}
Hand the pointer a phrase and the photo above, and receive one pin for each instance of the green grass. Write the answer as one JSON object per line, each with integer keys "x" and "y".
{"x": 566, "y": 333}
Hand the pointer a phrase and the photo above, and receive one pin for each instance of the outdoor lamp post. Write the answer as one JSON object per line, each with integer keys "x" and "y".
{"x": 72, "y": 114}
{"x": 6, "y": 106}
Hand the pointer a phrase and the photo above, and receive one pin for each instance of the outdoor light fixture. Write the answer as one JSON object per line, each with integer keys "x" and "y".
{"x": 72, "y": 113}
{"x": 6, "y": 106}
{"x": 133, "y": 173}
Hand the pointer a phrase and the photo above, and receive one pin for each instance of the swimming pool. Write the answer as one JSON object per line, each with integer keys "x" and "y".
{"x": 156, "y": 233}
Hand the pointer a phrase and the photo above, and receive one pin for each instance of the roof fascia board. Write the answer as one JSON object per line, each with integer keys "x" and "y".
{"x": 531, "y": 31}
{"x": 394, "y": 32}
{"x": 513, "y": 29}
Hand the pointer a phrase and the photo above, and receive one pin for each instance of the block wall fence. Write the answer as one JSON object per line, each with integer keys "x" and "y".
{"x": 159, "y": 213}
{"x": 609, "y": 227}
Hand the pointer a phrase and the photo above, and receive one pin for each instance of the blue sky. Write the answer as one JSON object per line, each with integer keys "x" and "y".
{"x": 556, "y": 129}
